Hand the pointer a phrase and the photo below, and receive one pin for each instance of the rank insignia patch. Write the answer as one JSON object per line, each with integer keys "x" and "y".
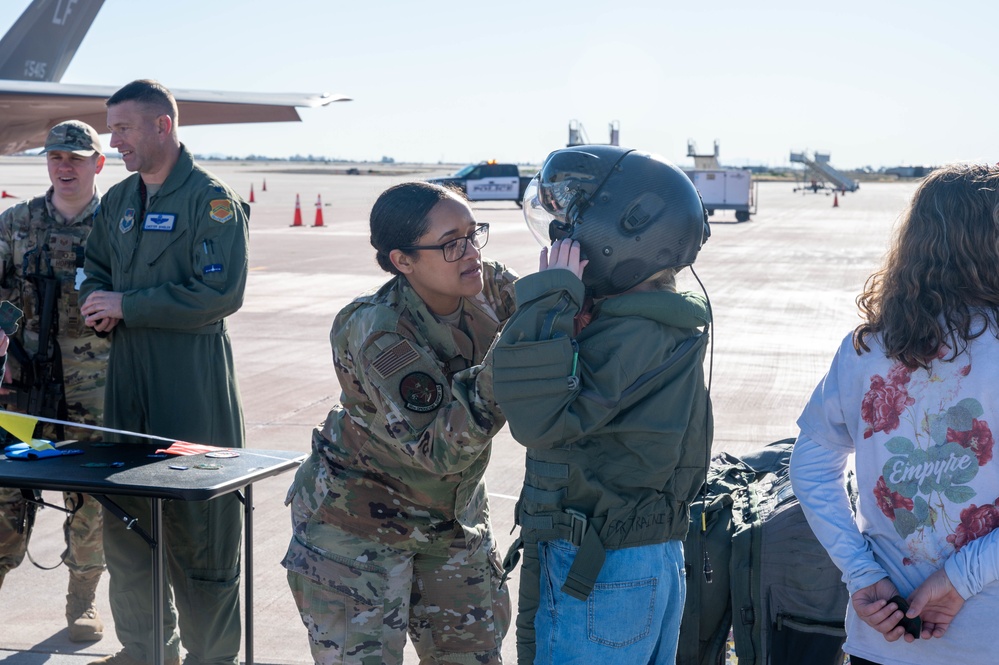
{"x": 221, "y": 210}
{"x": 128, "y": 221}
{"x": 420, "y": 392}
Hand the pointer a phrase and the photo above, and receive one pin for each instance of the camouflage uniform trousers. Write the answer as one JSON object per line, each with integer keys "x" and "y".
{"x": 455, "y": 607}
{"x": 84, "y": 381}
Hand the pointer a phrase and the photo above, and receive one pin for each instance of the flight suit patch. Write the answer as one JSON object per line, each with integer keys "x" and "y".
{"x": 394, "y": 358}
{"x": 128, "y": 221}
{"x": 420, "y": 392}
{"x": 220, "y": 210}
{"x": 159, "y": 221}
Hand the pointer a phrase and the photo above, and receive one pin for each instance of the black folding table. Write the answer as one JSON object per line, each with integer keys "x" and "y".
{"x": 104, "y": 470}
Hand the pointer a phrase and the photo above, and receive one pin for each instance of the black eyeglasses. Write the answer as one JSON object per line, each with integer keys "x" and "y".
{"x": 455, "y": 249}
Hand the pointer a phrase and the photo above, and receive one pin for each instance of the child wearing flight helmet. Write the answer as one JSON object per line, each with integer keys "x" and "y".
{"x": 615, "y": 414}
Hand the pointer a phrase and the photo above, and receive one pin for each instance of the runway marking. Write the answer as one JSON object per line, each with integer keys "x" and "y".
{"x": 503, "y": 496}
{"x": 323, "y": 231}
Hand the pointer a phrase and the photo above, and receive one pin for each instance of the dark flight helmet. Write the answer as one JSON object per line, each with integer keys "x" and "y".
{"x": 632, "y": 213}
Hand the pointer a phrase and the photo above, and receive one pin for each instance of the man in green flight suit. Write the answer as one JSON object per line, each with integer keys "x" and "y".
{"x": 165, "y": 264}
{"x": 41, "y": 248}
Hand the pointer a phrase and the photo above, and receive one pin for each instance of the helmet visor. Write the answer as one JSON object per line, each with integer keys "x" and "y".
{"x": 537, "y": 217}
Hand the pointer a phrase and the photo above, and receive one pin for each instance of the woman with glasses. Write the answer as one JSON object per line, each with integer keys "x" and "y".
{"x": 390, "y": 520}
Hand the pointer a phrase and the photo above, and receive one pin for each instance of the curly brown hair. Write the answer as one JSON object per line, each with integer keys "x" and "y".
{"x": 939, "y": 285}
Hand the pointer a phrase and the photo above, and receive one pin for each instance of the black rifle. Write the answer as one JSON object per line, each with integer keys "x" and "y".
{"x": 40, "y": 389}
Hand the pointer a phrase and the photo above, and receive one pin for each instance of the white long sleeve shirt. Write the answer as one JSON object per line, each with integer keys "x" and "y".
{"x": 929, "y": 488}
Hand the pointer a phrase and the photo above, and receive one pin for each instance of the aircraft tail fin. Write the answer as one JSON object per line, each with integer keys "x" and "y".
{"x": 43, "y": 41}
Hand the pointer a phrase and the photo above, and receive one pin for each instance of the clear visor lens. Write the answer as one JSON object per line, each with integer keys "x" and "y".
{"x": 538, "y": 219}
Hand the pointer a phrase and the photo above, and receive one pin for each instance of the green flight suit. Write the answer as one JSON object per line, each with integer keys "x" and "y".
{"x": 182, "y": 267}
{"x": 37, "y": 230}
{"x": 616, "y": 420}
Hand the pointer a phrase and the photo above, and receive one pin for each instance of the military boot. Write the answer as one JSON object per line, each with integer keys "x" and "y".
{"x": 81, "y": 615}
{"x": 122, "y": 658}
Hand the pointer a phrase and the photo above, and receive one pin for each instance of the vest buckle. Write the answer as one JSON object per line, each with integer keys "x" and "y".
{"x": 577, "y": 526}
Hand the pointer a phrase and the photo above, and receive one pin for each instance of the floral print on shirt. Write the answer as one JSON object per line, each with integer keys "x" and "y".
{"x": 930, "y": 474}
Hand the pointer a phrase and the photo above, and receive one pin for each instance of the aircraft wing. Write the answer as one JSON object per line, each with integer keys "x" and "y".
{"x": 28, "y": 109}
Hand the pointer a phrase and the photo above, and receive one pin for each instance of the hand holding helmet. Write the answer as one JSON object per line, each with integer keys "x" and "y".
{"x": 563, "y": 255}
{"x": 632, "y": 213}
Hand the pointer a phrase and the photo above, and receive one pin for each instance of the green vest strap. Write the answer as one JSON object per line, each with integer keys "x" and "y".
{"x": 586, "y": 566}
{"x": 574, "y": 527}
{"x": 547, "y": 469}
{"x": 547, "y": 497}
{"x": 512, "y": 558}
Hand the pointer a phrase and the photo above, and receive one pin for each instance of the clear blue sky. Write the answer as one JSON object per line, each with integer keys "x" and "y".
{"x": 878, "y": 82}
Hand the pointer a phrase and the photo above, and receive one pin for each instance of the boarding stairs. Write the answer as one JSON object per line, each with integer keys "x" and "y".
{"x": 818, "y": 164}
{"x": 577, "y": 134}
{"x": 703, "y": 162}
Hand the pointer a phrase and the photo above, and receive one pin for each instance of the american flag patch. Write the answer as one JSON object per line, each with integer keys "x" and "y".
{"x": 394, "y": 358}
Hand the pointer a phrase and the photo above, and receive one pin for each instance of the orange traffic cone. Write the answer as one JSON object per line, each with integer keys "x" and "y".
{"x": 264, "y": 188}
{"x": 5, "y": 195}
{"x": 835, "y": 199}
{"x": 319, "y": 210}
{"x": 298, "y": 212}
{"x": 252, "y": 200}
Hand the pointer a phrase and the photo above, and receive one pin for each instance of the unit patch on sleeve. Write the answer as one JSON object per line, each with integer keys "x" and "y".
{"x": 420, "y": 392}
{"x": 394, "y": 358}
{"x": 220, "y": 210}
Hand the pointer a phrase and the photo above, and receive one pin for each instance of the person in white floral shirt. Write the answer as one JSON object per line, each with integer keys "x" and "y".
{"x": 911, "y": 393}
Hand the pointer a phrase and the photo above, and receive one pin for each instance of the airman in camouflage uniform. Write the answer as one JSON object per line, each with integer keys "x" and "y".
{"x": 48, "y": 234}
{"x": 389, "y": 513}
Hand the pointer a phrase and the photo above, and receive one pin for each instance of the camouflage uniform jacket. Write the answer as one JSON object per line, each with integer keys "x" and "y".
{"x": 405, "y": 451}
{"x": 54, "y": 245}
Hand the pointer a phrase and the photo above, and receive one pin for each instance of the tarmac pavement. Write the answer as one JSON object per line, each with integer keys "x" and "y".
{"x": 782, "y": 288}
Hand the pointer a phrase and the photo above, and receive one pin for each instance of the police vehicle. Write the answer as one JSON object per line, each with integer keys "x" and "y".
{"x": 488, "y": 181}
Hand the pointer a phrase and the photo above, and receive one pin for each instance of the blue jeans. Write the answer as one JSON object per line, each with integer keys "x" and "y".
{"x": 632, "y": 616}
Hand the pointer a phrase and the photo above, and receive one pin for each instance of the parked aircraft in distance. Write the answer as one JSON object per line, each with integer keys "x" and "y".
{"x": 36, "y": 51}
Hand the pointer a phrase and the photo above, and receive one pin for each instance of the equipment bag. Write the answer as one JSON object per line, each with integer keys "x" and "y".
{"x": 755, "y": 567}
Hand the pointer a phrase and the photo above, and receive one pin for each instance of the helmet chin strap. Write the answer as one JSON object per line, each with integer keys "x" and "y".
{"x": 706, "y": 568}
{"x": 711, "y": 320}
{"x": 558, "y": 230}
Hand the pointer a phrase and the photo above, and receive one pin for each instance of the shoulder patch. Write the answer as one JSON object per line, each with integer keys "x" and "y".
{"x": 394, "y": 358}
{"x": 420, "y": 392}
{"x": 220, "y": 210}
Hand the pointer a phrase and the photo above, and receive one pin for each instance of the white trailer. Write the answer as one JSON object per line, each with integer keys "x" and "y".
{"x": 726, "y": 189}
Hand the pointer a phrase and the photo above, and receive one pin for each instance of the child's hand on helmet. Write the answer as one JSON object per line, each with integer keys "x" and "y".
{"x": 564, "y": 255}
